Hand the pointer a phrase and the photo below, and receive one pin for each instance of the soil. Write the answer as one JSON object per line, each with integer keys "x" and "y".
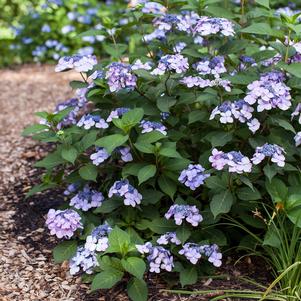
{"x": 27, "y": 271}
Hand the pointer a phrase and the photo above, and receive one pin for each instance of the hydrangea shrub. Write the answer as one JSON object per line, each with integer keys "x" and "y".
{"x": 201, "y": 122}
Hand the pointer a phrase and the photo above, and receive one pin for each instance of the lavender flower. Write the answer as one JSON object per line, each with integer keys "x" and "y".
{"x": 196, "y": 81}
{"x": 126, "y": 155}
{"x": 269, "y": 92}
{"x": 117, "y": 113}
{"x": 63, "y": 223}
{"x": 80, "y": 63}
{"x": 83, "y": 259}
{"x": 98, "y": 240}
{"x": 158, "y": 258}
{"x": 123, "y": 189}
{"x": 169, "y": 237}
{"x": 88, "y": 121}
{"x": 184, "y": 212}
{"x": 100, "y": 156}
{"x": 215, "y": 66}
{"x": 119, "y": 77}
{"x": 138, "y": 65}
{"x": 297, "y": 113}
{"x": 235, "y": 161}
{"x": 87, "y": 199}
{"x": 149, "y": 126}
{"x": 179, "y": 47}
{"x": 238, "y": 110}
{"x": 193, "y": 176}
{"x": 207, "y": 26}
{"x": 193, "y": 252}
{"x": 153, "y": 8}
{"x": 171, "y": 62}
{"x": 156, "y": 34}
{"x": 71, "y": 188}
{"x": 273, "y": 151}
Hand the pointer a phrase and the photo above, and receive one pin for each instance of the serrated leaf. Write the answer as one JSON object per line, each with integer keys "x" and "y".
{"x": 88, "y": 172}
{"x": 106, "y": 279}
{"x": 69, "y": 153}
{"x": 221, "y": 203}
{"x": 64, "y": 251}
{"x": 248, "y": 194}
{"x": 146, "y": 173}
{"x": 33, "y": 129}
{"x": 135, "y": 266}
{"x": 188, "y": 276}
{"x": 137, "y": 290}
{"x": 167, "y": 186}
{"x": 112, "y": 141}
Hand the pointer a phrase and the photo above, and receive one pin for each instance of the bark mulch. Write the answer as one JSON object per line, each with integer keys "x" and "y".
{"x": 27, "y": 271}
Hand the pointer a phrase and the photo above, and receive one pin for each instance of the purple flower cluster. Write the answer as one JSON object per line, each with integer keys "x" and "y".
{"x": 238, "y": 110}
{"x": 123, "y": 189}
{"x": 100, "y": 156}
{"x": 269, "y": 92}
{"x": 184, "y": 212}
{"x": 63, "y": 223}
{"x": 72, "y": 188}
{"x": 171, "y": 62}
{"x": 149, "y": 126}
{"x": 159, "y": 258}
{"x": 193, "y": 176}
{"x": 297, "y": 113}
{"x": 88, "y": 121}
{"x": 169, "y": 237}
{"x": 120, "y": 76}
{"x": 117, "y": 113}
{"x": 87, "y": 199}
{"x": 98, "y": 240}
{"x": 273, "y": 151}
{"x": 210, "y": 26}
{"x": 197, "y": 81}
{"x": 193, "y": 252}
{"x": 214, "y": 66}
{"x": 153, "y": 8}
{"x": 138, "y": 65}
{"x": 84, "y": 259}
{"x": 235, "y": 161}
{"x": 80, "y": 63}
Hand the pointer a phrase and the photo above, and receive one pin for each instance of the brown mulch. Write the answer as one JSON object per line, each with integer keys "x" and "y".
{"x": 27, "y": 271}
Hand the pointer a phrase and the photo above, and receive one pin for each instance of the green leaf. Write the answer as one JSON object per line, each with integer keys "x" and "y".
{"x": 294, "y": 69}
{"x": 115, "y": 50}
{"x": 221, "y": 203}
{"x": 88, "y": 172}
{"x": 131, "y": 118}
{"x": 108, "y": 206}
{"x": 145, "y": 148}
{"x": 146, "y": 172}
{"x": 196, "y": 116}
{"x": 106, "y": 279}
{"x": 283, "y": 123}
{"x": 218, "y": 11}
{"x": 69, "y": 153}
{"x": 151, "y": 196}
{"x": 265, "y": 3}
{"x": 40, "y": 188}
{"x": 262, "y": 29}
{"x": 167, "y": 186}
{"x": 76, "y": 84}
{"x": 119, "y": 241}
{"x": 219, "y": 138}
{"x": 33, "y": 129}
{"x": 150, "y": 137}
{"x": 277, "y": 190}
{"x": 111, "y": 142}
{"x": 248, "y": 194}
{"x": 271, "y": 238}
{"x": 137, "y": 290}
{"x": 183, "y": 233}
{"x": 135, "y": 266}
{"x": 169, "y": 152}
{"x": 64, "y": 251}
{"x": 188, "y": 276}
{"x": 132, "y": 169}
{"x": 161, "y": 225}
{"x": 215, "y": 183}
{"x": 51, "y": 160}
{"x": 165, "y": 102}
{"x": 270, "y": 171}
